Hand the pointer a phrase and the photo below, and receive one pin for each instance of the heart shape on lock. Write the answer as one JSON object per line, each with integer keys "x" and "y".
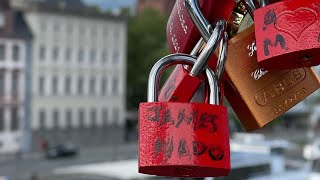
{"x": 296, "y": 22}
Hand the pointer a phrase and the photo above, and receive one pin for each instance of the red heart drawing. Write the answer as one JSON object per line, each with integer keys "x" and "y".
{"x": 296, "y": 22}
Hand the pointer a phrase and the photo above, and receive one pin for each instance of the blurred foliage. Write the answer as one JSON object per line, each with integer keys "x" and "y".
{"x": 146, "y": 44}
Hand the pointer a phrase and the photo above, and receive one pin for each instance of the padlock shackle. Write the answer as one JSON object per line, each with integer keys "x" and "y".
{"x": 174, "y": 59}
{"x": 252, "y": 5}
{"x": 198, "y": 19}
{"x": 209, "y": 35}
{"x": 264, "y": 3}
{"x": 223, "y": 51}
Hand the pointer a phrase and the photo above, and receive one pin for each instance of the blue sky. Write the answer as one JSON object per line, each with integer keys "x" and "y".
{"x": 112, "y": 4}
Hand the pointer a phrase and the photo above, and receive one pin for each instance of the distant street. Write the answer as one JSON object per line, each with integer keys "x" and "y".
{"x": 23, "y": 169}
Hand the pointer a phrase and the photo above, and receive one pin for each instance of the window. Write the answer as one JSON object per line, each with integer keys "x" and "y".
{"x": 42, "y": 119}
{"x": 55, "y": 54}
{"x": 92, "y": 86}
{"x": 82, "y": 31}
{"x": 93, "y": 117}
{"x": 116, "y": 116}
{"x": 41, "y": 85}
{"x": 104, "y": 56}
{"x": 106, "y": 32}
{"x": 115, "y": 58}
{"x": 69, "y": 29}
{"x": 81, "y": 118}
{"x": 69, "y": 119}
{"x": 115, "y": 86}
{"x": 42, "y": 53}
{"x": 104, "y": 86}
{"x": 80, "y": 85}
{"x": 55, "y": 119}
{"x": 68, "y": 55}
{"x": 105, "y": 116}
{"x": 81, "y": 55}
{"x": 117, "y": 33}
{"x": 56, "y": 27}
{"x": 14, "y": 119}
{"x": 67, "y": 85}
{"x": 2, "y": 84}
{"x": 54, "y": 85}
{"x": 2, "y": 52}
{"x": 93, "y": 56}
{"x": 15, "y": 52}
{"x": 15, "y": 83}
{"x": 43, "y": 26}
{"x": 94, "y": 32}
{"x": 1, "y": 119}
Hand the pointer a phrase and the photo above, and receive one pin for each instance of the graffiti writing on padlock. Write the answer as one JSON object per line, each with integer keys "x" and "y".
{"x": 186, "y": 150}
{"x": 199, "y": 121}
{"x": 174, "y": 39}
{"x": 181, "y": 16}
{"x": 279, "y": 40}
{"x": 259, "y": 73}
{"x": 252, "y": 48}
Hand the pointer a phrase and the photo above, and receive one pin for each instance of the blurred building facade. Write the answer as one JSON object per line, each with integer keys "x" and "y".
{"x": 78, "y": 71}
{"x": 15, "y": 39}
{"x": 162, "y": 6}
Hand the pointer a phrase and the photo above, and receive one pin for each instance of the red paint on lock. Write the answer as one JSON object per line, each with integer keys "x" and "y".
{"x": 181, "y": 87}
{"x": 288, "y": 34}
{"x": 183, "y": 140}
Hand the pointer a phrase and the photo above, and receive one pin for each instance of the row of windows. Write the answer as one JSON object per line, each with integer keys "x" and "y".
{"x": 14, "y": 123}
{"x": 14, "y": 84}
{"x": 68, "y": 116}
{"x": 80, "y": 88}
{"x": 94, "y": 56}
{"x": 69, "y": 29}
{"x": 15, "y": 52}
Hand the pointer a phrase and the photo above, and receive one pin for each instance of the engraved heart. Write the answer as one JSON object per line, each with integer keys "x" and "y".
{"x": 295, "y": 22}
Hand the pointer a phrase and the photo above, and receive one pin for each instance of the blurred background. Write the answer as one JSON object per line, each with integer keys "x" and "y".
{"x": 72, "y": 75}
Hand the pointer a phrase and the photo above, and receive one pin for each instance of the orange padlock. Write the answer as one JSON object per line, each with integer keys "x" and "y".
{"x": 183, "y": 139}
{"x": 259, "y": 96}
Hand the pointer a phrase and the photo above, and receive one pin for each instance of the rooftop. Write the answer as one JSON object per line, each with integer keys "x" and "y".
{"x": 13, "y": 24}
{"x": 68, "y": 7}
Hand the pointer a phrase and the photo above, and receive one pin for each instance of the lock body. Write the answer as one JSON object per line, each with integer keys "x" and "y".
{"x": 181, "y": 87}
{"x": 183, "y": 140}
{"x": 259, "y": 96}
{"x": 288, "y": 34}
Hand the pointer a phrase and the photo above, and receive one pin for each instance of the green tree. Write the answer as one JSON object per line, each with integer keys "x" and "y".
{"x": 146, "y": 45}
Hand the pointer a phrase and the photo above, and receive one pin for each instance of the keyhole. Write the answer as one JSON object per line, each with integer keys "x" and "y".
{"x": 306, "y": 57}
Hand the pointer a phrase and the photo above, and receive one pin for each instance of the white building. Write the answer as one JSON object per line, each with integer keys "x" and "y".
{"x": 78, "y": 66}
{"x": 14, "y": 41}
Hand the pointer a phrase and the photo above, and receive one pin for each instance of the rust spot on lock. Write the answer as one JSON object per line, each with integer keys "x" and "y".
{"x": 277, "y": 88}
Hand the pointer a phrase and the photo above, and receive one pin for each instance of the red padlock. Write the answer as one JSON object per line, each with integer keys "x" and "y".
{"x": 183, "y": 139}
{"x": 288, "y": 34}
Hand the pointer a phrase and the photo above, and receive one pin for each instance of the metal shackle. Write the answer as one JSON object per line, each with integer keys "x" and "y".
{"x": 209, "y": 35}
{"x": 174, "y": 59}
{"x": 252, "y": 5}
